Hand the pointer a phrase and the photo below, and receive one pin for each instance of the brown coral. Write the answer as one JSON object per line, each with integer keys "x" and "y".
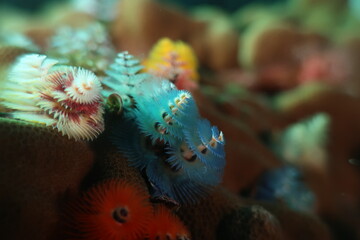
{"x": 39, "y": 167}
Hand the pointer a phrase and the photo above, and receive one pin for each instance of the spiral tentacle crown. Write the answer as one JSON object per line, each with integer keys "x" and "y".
{"x": 64, "y": 97}
{"x": 162, "y": 133}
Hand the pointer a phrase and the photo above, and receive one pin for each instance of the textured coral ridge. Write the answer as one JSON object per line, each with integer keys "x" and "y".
{"x": 111, "y": 210}
{"x": 66, "y": 98}
{"x": 39, "y": 167}
{"x": 163, "y": 134}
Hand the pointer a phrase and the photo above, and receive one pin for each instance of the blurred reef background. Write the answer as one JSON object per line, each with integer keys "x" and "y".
{"x": 222, "y": 119}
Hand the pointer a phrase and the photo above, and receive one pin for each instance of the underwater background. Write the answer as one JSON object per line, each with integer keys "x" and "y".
{"x": 165, "y": 119}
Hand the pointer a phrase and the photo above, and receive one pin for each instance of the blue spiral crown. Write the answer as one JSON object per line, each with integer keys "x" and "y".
{"x": 163, "y": 134}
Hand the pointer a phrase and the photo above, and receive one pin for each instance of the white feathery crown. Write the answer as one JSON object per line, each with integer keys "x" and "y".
{"x": 20, "y": 92}
{"x": 85, "y": 87}
{"x": 66, "y": 98}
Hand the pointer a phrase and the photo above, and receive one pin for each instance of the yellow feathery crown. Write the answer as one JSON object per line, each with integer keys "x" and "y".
{"x": 165, "y": 53}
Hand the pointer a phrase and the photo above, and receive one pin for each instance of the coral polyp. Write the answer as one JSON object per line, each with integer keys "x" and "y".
{"x": 66, "y": 98}
{"x": 165, "y": 225}
{"x": 112, "y": 210}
